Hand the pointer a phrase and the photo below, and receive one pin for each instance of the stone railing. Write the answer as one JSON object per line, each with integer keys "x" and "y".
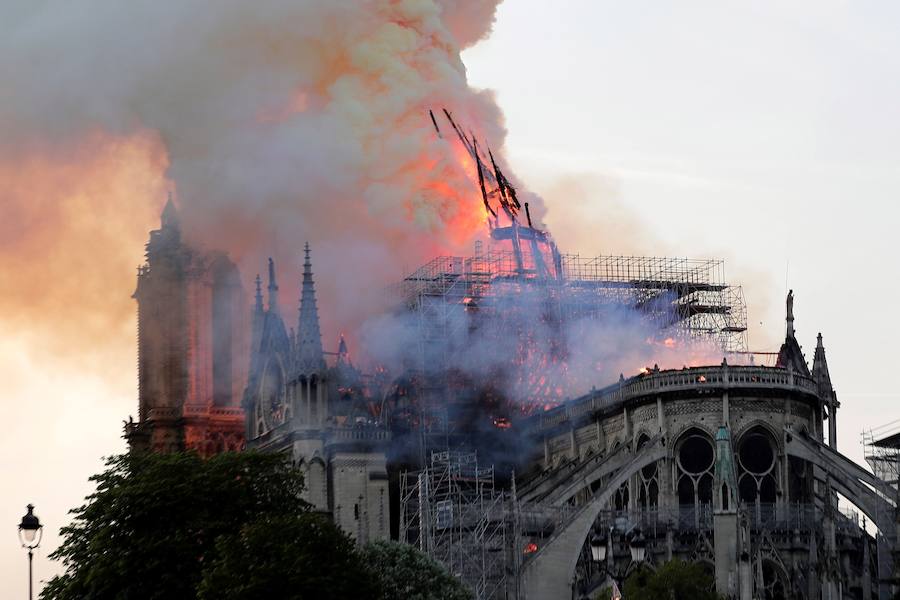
{"x": 199, "y": 410}
{"x": 361, "y": 434}
{"x": 700, "y": 379}
{"x": 797, "y": 516}
{"x": 162, "y": 413}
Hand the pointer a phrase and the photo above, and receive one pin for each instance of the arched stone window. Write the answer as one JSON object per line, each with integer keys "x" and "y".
{"x": 647, "y": 481}
{"x": 774, "y": 583}
{"x": 621, "y": 497}
{"x": 694, "y": 464}
{"x": 272, "y": 407}
{"x": 799, "y": 480}
{"x": 757, "y": 460}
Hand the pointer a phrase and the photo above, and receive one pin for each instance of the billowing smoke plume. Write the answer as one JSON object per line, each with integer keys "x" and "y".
{"x": 275, "y": 122}
{"x": 282, "y": 121}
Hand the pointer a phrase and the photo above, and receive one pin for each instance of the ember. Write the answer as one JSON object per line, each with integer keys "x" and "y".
{"x": 502, "y": 423}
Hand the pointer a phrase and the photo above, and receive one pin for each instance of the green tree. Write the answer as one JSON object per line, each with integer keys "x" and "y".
{"x": 404, "y": 573}
{"x": 303, "y": 557}
{"x": 603, "y": 594}
{"x": 152, "y": 524}
{"x": 675, "y": 580}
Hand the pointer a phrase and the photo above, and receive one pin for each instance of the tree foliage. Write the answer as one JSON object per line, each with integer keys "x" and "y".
{"x": 232, "y": 527}
{"x": 675, "y": 580}
{"x": 152, "y": 524}
{"x": 404, "y": 573}
{"x": 302, "y": 557}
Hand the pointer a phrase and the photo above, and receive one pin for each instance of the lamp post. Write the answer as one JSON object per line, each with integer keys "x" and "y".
{"x": 30, "y": 532}
{"x": 638, "y": 546}
{"x": 601, "y": 552}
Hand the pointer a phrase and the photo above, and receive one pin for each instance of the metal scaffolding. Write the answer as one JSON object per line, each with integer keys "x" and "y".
{"x": 685, "y": 295}
{"x": 453, "y": 513}
{"x": 678, "y": 297}
{"x": 882, "y": 452}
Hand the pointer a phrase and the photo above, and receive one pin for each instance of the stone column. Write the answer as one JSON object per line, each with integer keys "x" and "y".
{"x": 746, "y": 582}
{"x": 308, "y": 397}
{"x": 320, "y": 402}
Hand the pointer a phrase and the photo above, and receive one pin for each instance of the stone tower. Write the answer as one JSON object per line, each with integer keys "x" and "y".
{"x": 191, "y": 347}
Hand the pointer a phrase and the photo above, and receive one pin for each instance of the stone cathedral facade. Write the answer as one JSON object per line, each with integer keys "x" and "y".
{"x": 318, "y": 414}
{"x": 732, "y": 466}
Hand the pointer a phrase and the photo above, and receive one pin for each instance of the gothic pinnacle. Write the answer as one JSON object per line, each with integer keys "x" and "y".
{"x": 311, "y": 356}
{"x": 259, "y": 299}
{"x": 273, "y": 287}
{"x": 169, "y": 216}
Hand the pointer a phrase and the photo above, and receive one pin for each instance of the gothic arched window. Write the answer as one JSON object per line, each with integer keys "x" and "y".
{"x": 272, "y": 406}
{"x": 756, "y": 461}
{"x": 647, "y": 481}
{"x": 694, "y": 462}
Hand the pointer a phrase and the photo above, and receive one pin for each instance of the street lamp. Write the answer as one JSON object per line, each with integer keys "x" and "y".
{"x": 598, "y": 548}
{"x": 638, "y": 546}
{"x": 601, "y": 550}
{"x": 30, "y": 532}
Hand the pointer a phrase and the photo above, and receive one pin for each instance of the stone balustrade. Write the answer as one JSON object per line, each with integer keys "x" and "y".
{"x": 700, "y": 379}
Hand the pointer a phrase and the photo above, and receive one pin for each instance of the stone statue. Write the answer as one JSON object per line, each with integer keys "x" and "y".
{"x": 790, "y": 305}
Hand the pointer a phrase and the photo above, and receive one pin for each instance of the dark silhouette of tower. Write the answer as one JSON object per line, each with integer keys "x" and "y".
{"x": 192, "y": 349}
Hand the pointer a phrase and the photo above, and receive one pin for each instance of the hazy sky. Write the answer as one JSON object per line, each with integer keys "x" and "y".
{"x": 765, "y": 133}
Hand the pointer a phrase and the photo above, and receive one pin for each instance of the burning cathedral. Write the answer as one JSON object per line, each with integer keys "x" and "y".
{"x": 488, "y": 461}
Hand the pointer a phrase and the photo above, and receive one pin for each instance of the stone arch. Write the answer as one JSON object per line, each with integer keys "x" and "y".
{"x": 855, "y": 483}
{"x": 775, "y": 584}
{"x": 542, "y": 573}
{"x": 273, "y": 407}
{"x": 760, "y": 423}
{"x": 677, "y": 434}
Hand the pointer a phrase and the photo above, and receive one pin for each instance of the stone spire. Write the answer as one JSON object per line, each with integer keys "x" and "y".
{"x": 273, "y": 288}
{"x": 825, "y": 389}
{"x": 820, "y": 365}
{"x": 170, "y": 214}
{"x": 310, "y": 356}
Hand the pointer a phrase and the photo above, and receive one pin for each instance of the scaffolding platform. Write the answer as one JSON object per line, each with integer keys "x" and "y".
{"x": 452, "y": 512}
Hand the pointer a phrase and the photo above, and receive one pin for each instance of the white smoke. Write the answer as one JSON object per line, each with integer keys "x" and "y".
{"x": 283, "y": 121}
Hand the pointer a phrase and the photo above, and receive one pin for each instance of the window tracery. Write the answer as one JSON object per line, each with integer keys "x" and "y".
{"x": 694, "y": 462}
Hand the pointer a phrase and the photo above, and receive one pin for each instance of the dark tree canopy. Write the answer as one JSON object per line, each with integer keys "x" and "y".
{"x": 302, "y": 557}
{"x": 232, "y": 527}
{"x": 152, "y": 525}
{"x": 675, "y": 580}
{"x": 404, "y": 573}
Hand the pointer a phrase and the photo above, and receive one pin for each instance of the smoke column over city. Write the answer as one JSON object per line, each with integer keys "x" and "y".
{"x": 275, "y": 123}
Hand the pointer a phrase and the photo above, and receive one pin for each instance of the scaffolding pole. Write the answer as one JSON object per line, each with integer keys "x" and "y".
{"x": 452, "y": 511}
